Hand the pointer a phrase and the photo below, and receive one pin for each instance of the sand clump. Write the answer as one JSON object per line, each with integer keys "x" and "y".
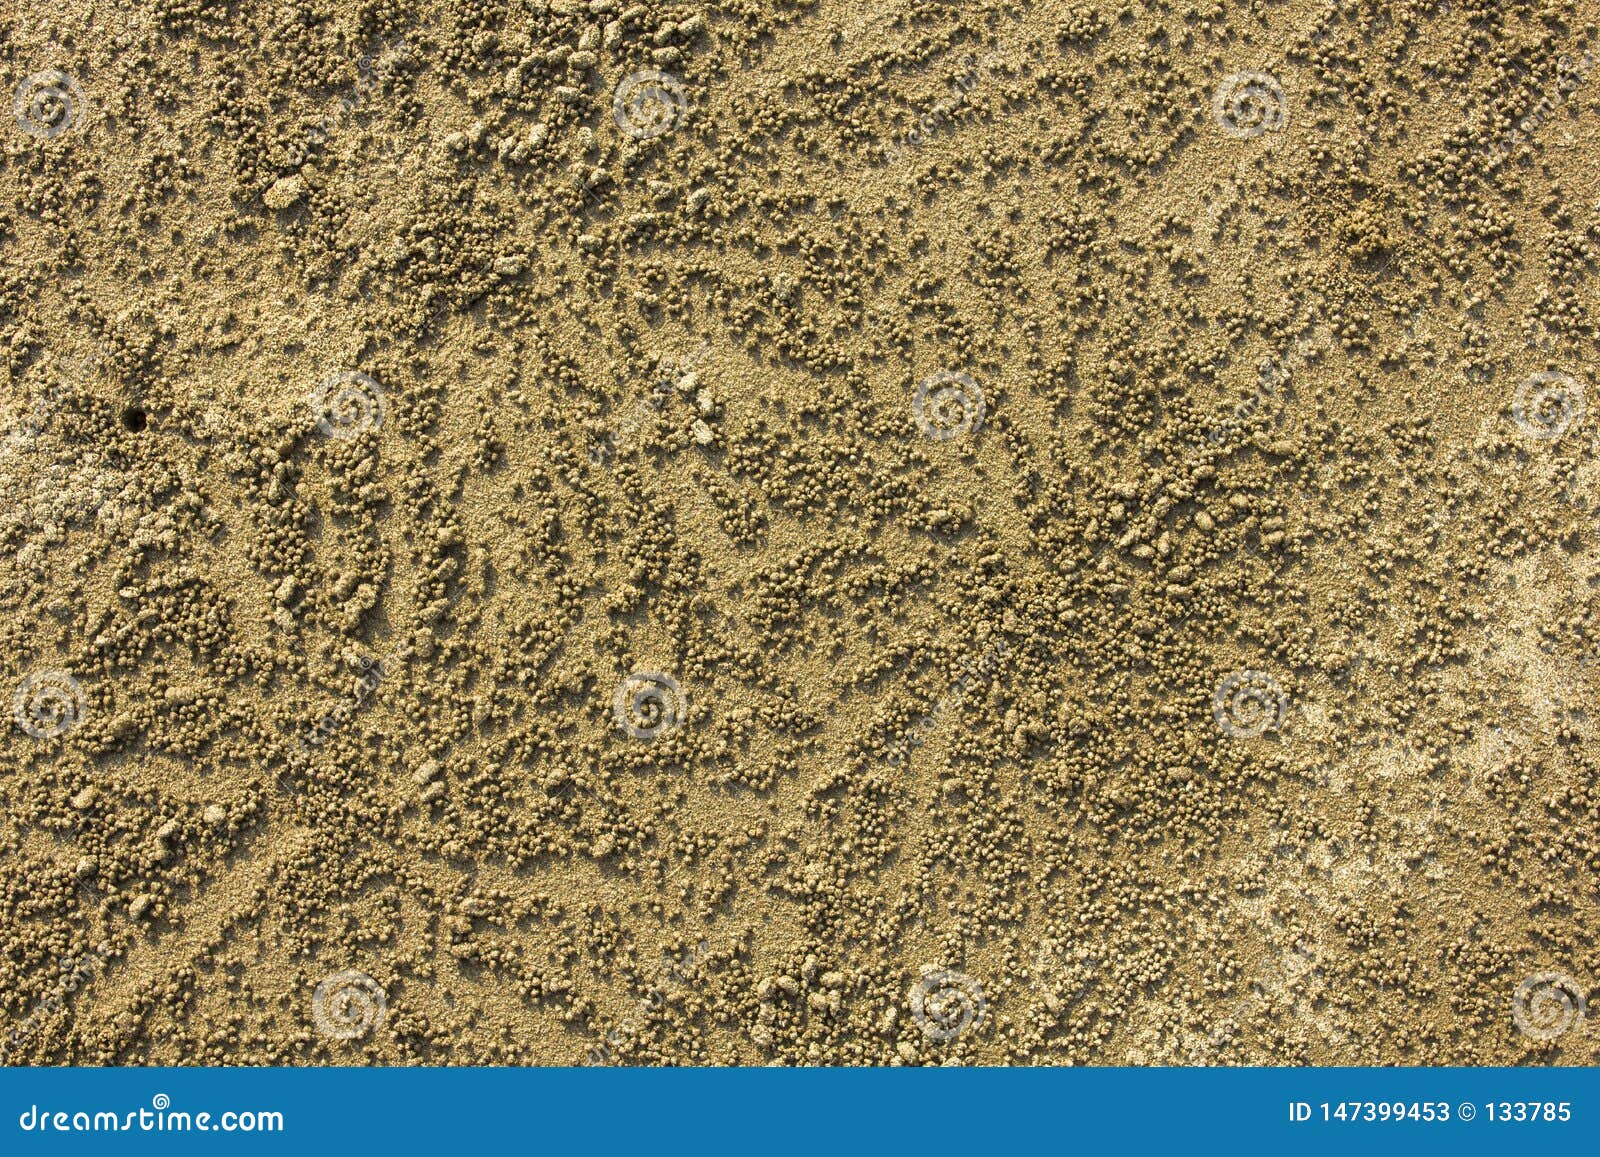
{"x": 612, "y": 533}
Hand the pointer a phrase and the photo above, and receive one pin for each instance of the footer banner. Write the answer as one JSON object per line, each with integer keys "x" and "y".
{"x": 810, "y": 1111}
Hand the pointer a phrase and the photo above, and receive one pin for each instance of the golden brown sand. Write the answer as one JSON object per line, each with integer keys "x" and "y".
{"x": 799, "y": 533}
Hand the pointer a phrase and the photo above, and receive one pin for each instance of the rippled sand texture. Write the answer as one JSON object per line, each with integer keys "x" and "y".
{"x": 1026, "y": 533}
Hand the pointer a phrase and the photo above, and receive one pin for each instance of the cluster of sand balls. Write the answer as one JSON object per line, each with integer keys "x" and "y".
{"x": 614, "y": 532}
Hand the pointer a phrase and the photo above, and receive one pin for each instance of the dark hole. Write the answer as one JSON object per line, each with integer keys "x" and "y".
{"x": 134, "y": 419}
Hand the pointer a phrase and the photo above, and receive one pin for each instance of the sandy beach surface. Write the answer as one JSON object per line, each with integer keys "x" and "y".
{"x": 799, "y": 532}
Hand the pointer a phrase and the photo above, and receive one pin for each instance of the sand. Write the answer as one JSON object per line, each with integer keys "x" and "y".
{"x": 1045, "y": 533}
